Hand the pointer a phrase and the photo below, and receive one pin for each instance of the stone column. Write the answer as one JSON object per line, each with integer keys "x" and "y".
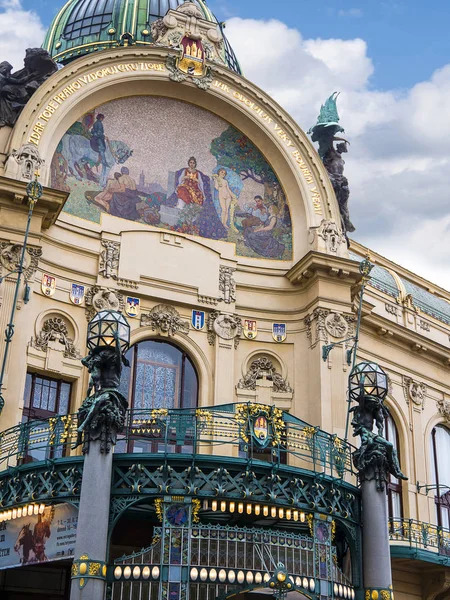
{"x": 376, "y": 551}
{"x": 89, "y": 568}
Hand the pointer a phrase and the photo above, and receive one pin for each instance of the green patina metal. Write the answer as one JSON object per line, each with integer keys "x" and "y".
{"x": 79, "y": 29}
{"x": 243, "y": 560}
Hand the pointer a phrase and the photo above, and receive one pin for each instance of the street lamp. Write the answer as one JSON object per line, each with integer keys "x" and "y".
{"x": 34, "y": 192}
{"x": 108, "y": 328}
{"x": 369, "y": 379}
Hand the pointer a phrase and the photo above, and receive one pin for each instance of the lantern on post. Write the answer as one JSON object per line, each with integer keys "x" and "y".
{"x": 102, "y": 414}
{"x": 368, "y": 379}
{"x": 108, "y": 328}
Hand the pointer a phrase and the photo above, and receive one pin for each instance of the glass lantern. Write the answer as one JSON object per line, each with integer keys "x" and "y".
{"x": 368, "y": 378}
{"x": 108, "y": 328}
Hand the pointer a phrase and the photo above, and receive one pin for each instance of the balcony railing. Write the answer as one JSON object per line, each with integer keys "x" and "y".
{"x": 223, "y": 431}
{"x": 420, "y": 535}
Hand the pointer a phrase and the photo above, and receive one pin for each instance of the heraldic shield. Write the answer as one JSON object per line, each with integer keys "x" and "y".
{"x": 261, "y": 430}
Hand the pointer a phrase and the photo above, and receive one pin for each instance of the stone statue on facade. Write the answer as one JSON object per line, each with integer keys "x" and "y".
{"x": 17, "y": 88}
{"x": 102, "y": 414}
{"x": 324, "y": 132}
{"x": 376, "y": 457}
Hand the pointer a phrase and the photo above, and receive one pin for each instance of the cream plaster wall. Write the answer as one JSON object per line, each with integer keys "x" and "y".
{"x": 183, "y": 272}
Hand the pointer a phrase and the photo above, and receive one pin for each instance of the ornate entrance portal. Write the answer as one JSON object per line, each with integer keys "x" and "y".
{"x": 189, "y": 560}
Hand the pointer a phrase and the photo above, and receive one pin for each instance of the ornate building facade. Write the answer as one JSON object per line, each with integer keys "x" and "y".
{"x": 181, "y": 195}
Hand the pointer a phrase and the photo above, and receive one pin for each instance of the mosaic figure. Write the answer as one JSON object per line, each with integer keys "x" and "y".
{"x": 129, "y": 168}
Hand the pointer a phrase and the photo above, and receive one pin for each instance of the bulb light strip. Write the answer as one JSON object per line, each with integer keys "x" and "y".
{"x": 22, "y": 511}
{"x": 264, "y": 510}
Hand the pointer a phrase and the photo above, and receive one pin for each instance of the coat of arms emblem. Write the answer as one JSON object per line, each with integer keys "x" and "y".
{"x": 186, "y": 30}
{"x": 48, "y": 285}
{"x": 261, "y": 430}
{"x": 77, "y": 294}
{"x": 132, "y": 306}
{"x": 198, "y": 319}
{"x": 250, "y": 329}
{"x": 279, "y": 332}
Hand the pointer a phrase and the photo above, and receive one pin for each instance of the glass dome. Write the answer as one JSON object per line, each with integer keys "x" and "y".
{"x": 85, "y": 26}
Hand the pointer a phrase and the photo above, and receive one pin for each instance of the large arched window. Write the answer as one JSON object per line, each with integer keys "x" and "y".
{"x": 440, "y": 452}
{"x": 394, "y": 488}
{"x": 161, "y": 376}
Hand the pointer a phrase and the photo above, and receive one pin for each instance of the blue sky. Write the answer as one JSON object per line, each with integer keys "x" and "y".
{"x": 390, "y": 61}
{"x": 407, "y": 39}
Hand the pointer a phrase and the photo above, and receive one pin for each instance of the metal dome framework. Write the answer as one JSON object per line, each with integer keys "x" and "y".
{"x": 85, "y": 26}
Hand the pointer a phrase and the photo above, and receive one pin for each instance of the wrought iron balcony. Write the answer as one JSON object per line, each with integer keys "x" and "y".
{"x": 229, "y": 430}
{"x": 420, "y": 536}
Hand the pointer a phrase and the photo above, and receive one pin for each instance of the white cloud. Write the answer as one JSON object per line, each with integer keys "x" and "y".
{"x": 398, "y": 163}
{"x": 19, "y": 29}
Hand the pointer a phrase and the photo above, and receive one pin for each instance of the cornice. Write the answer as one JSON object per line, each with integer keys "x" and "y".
{"x": 13, "y": 194}
{"x": 407, "y": 339}
{"x": 316, "y": 265}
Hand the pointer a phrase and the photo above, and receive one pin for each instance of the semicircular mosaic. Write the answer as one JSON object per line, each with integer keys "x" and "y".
{"x": 177, "y": 167}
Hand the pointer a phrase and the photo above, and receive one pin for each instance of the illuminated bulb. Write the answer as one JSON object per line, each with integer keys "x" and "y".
{"x": 232, "y": 507}
{"x": 41, "y": 509}
{"x": 19, "y": 512}
{"x": 302, "y": 517}
{"x": 14, "y": 513}
{"x": 273, "y": 512}
{"x": 295, "y": 515}
{"x": 266, "y": 511}
{"x": 288, "y": 514}
{"x": 9, "y": 515}
{"x": 36, "y": 509}
{"x": 214, "y": 505}
{"x": 249, "y": 509}
{"x": 223, "y": 506}
{"x": 240, "y": 507}
{"x": 30, "y": 510}
{"x": 257, "y": 509}
{"x": 280, "y": 513}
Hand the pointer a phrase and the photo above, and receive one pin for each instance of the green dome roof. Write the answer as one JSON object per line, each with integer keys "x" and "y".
{"x": 84, "y": 26}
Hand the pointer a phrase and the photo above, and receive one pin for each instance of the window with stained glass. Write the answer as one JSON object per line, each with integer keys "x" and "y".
{"x": 161, "y": 377}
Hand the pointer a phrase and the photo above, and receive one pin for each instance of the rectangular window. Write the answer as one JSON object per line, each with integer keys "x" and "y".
{"x": 45, "y": 398}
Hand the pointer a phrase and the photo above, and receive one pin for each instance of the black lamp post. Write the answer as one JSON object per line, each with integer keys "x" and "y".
{"x": 374, "y": 460}
{"x": 100, "y": 418}
{"x": 34, "y": 192}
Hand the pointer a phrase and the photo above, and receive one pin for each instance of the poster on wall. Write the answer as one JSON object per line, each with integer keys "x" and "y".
{"x": 174, "y": 166}
{"x": 39, "y": 538}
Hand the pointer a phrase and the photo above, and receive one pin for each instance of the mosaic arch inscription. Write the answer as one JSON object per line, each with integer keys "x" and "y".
{"x": 177, "y": 167}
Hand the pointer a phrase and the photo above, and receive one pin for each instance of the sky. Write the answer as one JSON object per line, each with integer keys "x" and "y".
{"x": 390, "y": 61}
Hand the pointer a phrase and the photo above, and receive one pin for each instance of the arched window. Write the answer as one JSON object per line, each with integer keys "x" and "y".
{"x": 440, "y": 452}
{"x": 161, "y": 376}
{"x": 394, "y": 488}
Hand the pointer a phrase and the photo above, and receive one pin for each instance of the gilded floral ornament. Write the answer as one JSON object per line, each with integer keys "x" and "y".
{"x": 246, "y": 413}
{"x": 159, "y": 509}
